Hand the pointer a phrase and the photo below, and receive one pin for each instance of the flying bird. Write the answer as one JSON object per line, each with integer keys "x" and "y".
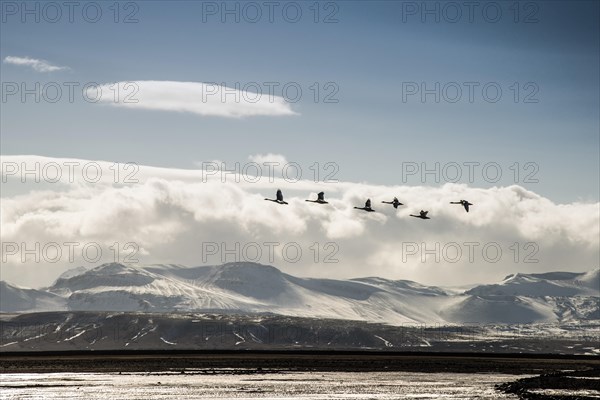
{"x": 320, "y": 199}
{"x": 394, "y": 202}
{"x": 464, "y": 203}
{"x": 367, "y": 206}
{"x": 422, "y": 215}
{"x": 279, "y": 199}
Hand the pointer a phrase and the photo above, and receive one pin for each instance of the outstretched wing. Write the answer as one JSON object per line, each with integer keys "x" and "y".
{"x": 466, "y": 204}
{"x": 279, "y": 195}
{"x": 321, "y": 196}
{"x": 368, "y": 203}
{"x": 424, "y": 213}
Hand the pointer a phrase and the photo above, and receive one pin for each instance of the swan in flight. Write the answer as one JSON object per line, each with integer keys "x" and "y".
{"x": 279, "y": 199}
{"x": 464, "y": 203}
{"x": 320, "y": 199}
{"x": 367, "y": 206}
{"x": 394, "y": 202}
{"x": 422, "y": 215}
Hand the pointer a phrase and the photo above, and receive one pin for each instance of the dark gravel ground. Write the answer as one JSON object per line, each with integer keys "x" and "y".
{"x": 262, "y": 361}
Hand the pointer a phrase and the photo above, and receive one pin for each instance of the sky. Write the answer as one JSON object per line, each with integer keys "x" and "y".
{"x": 498, "y": 101}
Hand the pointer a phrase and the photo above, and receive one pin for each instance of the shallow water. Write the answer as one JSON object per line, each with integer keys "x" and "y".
{"x": 285, "y": 385}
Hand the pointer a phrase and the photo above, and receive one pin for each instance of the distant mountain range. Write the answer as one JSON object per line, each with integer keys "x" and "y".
{"x": 249, "y": 288}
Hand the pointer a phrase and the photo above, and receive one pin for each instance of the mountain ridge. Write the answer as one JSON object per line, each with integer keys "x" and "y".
{"x": 252, "y": 288}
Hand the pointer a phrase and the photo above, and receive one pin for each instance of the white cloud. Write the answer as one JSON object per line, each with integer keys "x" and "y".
{"x": 170, "y": 213}
{"x": 268, "y": 158}
{"x": 273, "y": 163}
{"x": 192, "y": 97}
{"x": 36, "y": 64}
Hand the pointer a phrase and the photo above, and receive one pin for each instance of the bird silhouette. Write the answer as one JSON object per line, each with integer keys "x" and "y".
{"x": 320, "y": 199}
{"x": 464, "y": 203}
{"x": 422, "y": 215}
{"x": 279, "y": 199}
{"x": 367, "y": 206}
{"x": 394, "y": 202}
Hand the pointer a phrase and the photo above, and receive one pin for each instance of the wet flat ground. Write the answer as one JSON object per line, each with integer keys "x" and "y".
{"x": 280, "y": 385}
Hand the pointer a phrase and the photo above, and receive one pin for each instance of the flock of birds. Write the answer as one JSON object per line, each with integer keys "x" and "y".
{"x": 321, "y": 200}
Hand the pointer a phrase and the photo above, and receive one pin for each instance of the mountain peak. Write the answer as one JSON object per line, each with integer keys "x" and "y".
{"x": 68, "y": 274}
{"x": 248, "y": 265}
{"x": 113, "y": 267}
{"x": 105, "y": 275}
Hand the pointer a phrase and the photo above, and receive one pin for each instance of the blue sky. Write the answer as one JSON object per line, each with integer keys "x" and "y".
{"x": 368, "y": 54}
{"x": 375, "y": 61}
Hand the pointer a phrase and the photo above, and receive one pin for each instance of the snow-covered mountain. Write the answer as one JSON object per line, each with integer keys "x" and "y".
{"x": 116, "y": 287}
{"x": 249, "y": 288}
{"x": 16, "y": 299}
{"x": 557, "y": 284}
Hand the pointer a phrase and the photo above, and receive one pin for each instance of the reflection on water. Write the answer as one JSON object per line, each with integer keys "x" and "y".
{"x": 284, "y": 385}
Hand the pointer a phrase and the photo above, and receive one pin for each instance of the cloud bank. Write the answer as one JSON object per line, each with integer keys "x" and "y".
{"x": 199, "y": 98}
{"x": 173, "y": 214}
{"x": 37, "y": 64}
